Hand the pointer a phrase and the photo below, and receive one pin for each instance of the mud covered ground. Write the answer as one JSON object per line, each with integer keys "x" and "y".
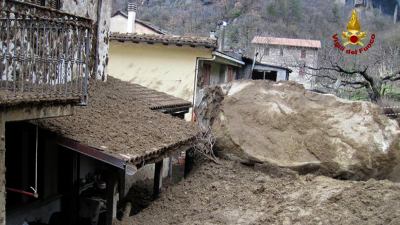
{"x": 232, "y": 193}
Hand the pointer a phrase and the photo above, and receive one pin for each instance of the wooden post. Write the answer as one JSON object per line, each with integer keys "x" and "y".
{"x": 112, "y": 189}
{"x": 157, "y": 179}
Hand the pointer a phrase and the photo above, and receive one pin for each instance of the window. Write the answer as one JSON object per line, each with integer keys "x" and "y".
{"x": 231, "y": 74}
{"x": 222, "y": 74}
{"x": 206, "y": 74}
{"x": 302, "y": 72}
{"x": 266, "y": 51}
{"x": 303, "y": 53}
{"x": 281, "y": 51}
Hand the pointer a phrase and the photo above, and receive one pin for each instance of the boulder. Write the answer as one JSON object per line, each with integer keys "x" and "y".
{"x": 284, "y": 125}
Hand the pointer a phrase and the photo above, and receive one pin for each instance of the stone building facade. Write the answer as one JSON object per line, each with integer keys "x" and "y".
{"x": 290, "y": 53}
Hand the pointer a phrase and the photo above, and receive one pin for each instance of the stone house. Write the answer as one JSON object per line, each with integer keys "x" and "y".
{"x": 261, "y": 71}
{"x": 290, "y": 53}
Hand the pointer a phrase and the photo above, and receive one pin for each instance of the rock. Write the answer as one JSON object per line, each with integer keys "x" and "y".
{"x": 284, "y": 125}
{"x": 261, "y": 179}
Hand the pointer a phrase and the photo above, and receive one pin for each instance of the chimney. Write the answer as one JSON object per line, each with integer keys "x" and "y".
{"x": 221, "y": 37}
{"x": 132, "y": 7}
{"x": 212, "y": 35}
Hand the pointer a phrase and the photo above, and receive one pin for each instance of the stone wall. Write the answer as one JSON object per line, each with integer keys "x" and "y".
{"x": 291, "y": 58}
{"x": 92, "y": 9}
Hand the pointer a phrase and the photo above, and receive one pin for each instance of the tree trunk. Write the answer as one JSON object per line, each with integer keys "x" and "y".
{"x": 374, "y": 91}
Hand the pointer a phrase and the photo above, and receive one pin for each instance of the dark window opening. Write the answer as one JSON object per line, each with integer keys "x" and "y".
{"x": 265, "y": 75}
{"x": 302, "y": 72}
{"x": 258, "y": 75}
{"x": 303, "y": 53}
{"x": 20, "y": 164}
{"x": 266, "y": 51}
{"x": 206, "y": 74}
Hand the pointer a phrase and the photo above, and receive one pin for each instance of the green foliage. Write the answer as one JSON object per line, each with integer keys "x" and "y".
{"x": 295, "y": 9}
{"x": 359, "y": 95}
{"x": 290, "y": 11}
{"x": 391, "y": 92}
{"x": 335, "y": 13}
{"x": 234, "y": 13}
{"x": 233, "y": 36}
{"x": 271, "y": 10}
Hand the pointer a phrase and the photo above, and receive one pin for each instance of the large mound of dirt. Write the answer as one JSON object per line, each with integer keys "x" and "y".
{"x": 231, "y": 193}
{"x": 285, "y": 125}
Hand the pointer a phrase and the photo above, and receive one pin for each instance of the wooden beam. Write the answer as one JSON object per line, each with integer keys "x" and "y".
{"x": 38, "y": 112}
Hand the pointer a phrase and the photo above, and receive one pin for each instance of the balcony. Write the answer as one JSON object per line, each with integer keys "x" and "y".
{"x": 44, "y": 55}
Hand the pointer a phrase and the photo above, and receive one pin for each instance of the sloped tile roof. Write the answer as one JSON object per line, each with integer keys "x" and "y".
{"x": 286, "y": 42}
{"x": 155, "y": 99}
{"x": 192, "y": 41}
{"x": 142, "y": 22}
{"x": 118, "y": 121}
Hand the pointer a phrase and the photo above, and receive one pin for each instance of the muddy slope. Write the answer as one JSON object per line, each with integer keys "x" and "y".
{"x": 235, "y": 194}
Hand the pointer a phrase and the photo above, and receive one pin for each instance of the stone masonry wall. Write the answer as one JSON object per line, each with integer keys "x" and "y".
{"x": 89, "y": 9}
{"x": 291, "y": 58}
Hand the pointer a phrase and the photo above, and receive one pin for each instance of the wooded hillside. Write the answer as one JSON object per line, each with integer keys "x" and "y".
{"x": 313, "y": 19}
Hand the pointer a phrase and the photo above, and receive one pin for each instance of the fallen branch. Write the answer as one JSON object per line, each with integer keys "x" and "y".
{"x": 204, "y": 144}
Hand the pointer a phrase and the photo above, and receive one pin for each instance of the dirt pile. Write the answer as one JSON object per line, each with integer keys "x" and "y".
{"x": 283, "y": 124}
{"x": 231, "y": 193}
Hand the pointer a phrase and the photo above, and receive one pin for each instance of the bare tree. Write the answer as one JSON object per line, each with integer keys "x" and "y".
{"x": 370, "y": 70}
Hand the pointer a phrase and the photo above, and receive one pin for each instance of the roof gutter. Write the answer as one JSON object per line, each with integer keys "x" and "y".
{"x": 198, "y": 59}
{"x": 254, "y": 63}
{"x": 227, "y": 57}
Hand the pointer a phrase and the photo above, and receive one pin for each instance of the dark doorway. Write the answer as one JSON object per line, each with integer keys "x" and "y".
{"x": 265, "y": 75}
{"x": 272, "y": 75}
{"x": 258, "y": 75}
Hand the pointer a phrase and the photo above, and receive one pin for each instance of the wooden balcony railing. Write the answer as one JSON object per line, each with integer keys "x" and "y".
{"x": 43, "y": 51}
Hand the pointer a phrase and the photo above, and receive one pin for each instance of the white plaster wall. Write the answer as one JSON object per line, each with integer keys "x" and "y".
{"x": 118, "y": 24}
{"x": 281, "y": 75}
{"x": 170, "y": 69}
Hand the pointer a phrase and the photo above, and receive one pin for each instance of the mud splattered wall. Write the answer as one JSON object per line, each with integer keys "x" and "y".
{"x": 92, "y": 9}
{"x": 84, "y": 8}
{"x": 103, "y": 39}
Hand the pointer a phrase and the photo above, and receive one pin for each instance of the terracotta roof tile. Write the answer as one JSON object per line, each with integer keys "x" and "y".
{"x": 166, "y": 39}
{"x": 286, "y": 42}
{"x": 119, "y": 122}
{"x": 157, "y": 100}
